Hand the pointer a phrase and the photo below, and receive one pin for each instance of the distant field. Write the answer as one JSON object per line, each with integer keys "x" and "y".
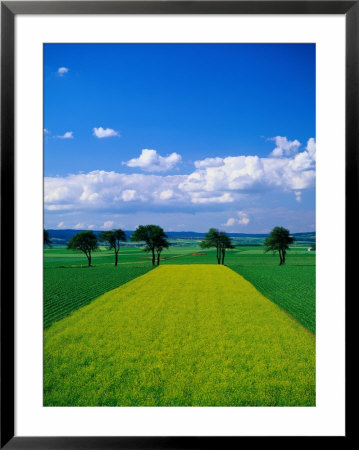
{"x": 180, "y": 335}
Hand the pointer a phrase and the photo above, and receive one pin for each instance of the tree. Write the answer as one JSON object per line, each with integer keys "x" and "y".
{"x": 86, "y": 241}
{"x": 47, "y": 239}
{"x": 154, "y": 237}
{"x": 161, "y": 243}
{"x": 279, "y": 241}
{"x": 113, "y": 238}
{"x": 218, "y": 239}
{"x": 225, "y": 243}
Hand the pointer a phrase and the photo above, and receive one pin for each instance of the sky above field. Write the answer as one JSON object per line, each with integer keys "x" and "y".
{"x": 187, "y": 137}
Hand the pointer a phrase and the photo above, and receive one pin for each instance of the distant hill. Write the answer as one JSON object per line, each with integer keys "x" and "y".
{"x": 61, "y": 237}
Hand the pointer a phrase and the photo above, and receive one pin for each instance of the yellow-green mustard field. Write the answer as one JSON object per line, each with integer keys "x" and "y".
{"x": 180, "y": 335}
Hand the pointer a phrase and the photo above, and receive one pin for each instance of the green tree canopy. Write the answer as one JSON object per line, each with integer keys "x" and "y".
{"x": 154, "y": 237}
{"x": 86, "y": 241}
{"x": 161, "y": 243}
{"x": 218, "y": 239}
{"x": 225, "y": 243}
{"x": 113, "y": 238}
{"x": 47, "y": 240}
{"x": 279, "y": 241}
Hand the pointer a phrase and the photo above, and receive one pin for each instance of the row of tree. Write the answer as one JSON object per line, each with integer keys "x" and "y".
{"x": 155, "y": 240}
{"x": 153, "y": 236}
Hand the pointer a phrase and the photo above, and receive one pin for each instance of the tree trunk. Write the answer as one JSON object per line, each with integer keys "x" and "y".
{"x": 223, "y": 254}
{"x": 280, "y": 257}
{"x": 89, "y": 259}
{"x": 158, "y": 258}
{"x": 153, "y": 257}
{"x": 218, "y": 255}
{"x": 283, "y": 257}
{"x": 116, "y": 258}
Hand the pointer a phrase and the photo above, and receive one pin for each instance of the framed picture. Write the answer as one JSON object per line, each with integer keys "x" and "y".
{"x": 162, "y": 199}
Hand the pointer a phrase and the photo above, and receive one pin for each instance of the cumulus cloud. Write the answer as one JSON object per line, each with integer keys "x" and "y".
{"x": 242, "y": 219}
{"x": 101, "y": 189}
{"x": 298, "y": 196}
{"x": 79, "y": 226}
{"x": 255, "y": 174}
{"x": 208, "y": 162}
{"x": 202, "y": 198}
{"x": 128, "y": 195}
{"x": 167, "y": 194}
{"x": 60, "y": 225}
{"x": 46, "y": 131}
{"x": 230, "y": 222}
{"x": 105, "y": 132}
{"x": 151, "y": 161}
{"x": 284, "y": 147}
{"x": 62, "y": 71}
{"x": 108, "y": 225}
{"x": 210, "y": 186}
{"x": 67, "y": 135}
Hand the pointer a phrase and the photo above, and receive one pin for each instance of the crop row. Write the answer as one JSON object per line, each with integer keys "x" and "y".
{"x": 290, "y": 287}
{"x": 66, "y": 290}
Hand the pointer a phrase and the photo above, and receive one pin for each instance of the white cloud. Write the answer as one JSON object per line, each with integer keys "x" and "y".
{"x": 62, "y": 71}
{"x": 254, "y": 174}
{"x": 230, "y": 222}
{"x": 105, "y": 132}
{"x": 128, "y": 195}
{"x": 243, "y": 219}
{"x": 284, "y": 147}
{"x": 298, "y": 196}
{"x": 151, "y": 161}
{"x": 208, "y": 162}
{"x": 46, "y": 131}
{"x": 67, "y": 135}
{"x": 101, "y": 189}
{"x": 79, "y": 226}
{"x": 311, "y": 148}
{"x": 60, "y": 207}
{"x": 60, "y": 225}
{"x": 200, "y": 198}
{"x": 91, "y": 227}
{"x": 108, "y": 225}
{"x": 237, "y": 178}
{"x": 167, "y": 194}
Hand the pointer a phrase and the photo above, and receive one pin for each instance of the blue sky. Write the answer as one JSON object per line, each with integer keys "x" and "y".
{"x": 185, "y": 136}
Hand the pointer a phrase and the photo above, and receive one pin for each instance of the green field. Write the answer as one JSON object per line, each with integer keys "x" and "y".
{"x": 180, "y": 335}
{"x": 69, "y": 284}
{"x": 68, "y": 289}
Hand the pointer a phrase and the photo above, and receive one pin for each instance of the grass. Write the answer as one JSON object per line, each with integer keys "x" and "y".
{"x": 292, "y": 286}
{"x": 70, "y": 284}
{"x": 180, "y": 336}
{"x": 68, "y": 289}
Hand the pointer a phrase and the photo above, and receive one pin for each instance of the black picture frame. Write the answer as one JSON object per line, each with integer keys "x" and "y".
{"x": 9, "y": 9}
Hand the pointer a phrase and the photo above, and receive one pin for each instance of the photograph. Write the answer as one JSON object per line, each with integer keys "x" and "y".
{"x": 179, "y": 224}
